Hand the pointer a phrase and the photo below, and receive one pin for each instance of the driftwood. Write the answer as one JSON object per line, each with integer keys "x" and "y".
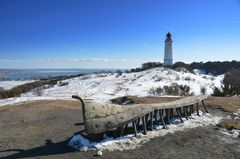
{"x": 100, "y": 118}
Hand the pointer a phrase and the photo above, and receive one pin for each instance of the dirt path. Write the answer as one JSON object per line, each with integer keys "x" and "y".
{"x": 41, "y": 129}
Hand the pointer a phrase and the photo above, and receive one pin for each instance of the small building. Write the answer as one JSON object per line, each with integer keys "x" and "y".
{"x": 168, "y": 61}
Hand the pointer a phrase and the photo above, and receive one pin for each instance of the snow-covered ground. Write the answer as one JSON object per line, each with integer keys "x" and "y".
{"x": 104, "y": 86}
{"x": 130, "y": 142}
{"x": 6, "y": 85}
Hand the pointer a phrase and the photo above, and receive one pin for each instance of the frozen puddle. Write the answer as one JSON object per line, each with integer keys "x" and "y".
{"x": 130, "y": 142}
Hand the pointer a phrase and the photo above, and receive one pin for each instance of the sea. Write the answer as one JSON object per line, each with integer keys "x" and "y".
{"x": 29, "y": 74}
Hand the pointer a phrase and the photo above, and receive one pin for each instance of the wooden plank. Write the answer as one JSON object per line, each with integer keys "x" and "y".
{"x": 161, "y": 118}
{"x": 197, "y": 109}
{"x": 204, "y": 106}
{"x": 171, "y": 113}
{"x": 138, "y": 122}
{"x": 144, "y": 125}
{"x": 168, "y": 116}
{"x": 179, "y": 115}
{"x": 151, "y": 121}
{"x": 180, "y": 110}
{"x": 122, "y": 130}
{"x": 134, "y": 128}
{"x": 155, "y": 115}
{"x": 185, "y": 112}
{"x": 160, "y": 114}
{"x": 191, "y": 109}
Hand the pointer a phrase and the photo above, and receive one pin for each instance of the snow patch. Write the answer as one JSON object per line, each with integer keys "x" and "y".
{"x": 7, "y": 85}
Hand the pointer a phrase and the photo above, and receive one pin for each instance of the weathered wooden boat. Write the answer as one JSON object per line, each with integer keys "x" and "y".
{"x": 100, "y": 118}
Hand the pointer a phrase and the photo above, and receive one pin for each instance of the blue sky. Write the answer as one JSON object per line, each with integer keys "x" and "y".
{"x": 115, "y": 33}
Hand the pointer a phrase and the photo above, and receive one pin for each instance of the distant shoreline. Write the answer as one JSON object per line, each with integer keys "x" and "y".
{"x": 33, "y": 74}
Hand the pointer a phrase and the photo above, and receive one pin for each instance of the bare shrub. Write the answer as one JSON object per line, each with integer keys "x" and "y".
{"x": 156, "y": 91}
{"x": 171, "y": 90}
{"x": 218, "y": 92}
{"x": 150, "y": 65}
{"x": 84, "y": 78}
{"x": 203, "y": 90}
{"x": 177, "y": 78}
{"x": 177, "y": 90}
{"x": 188, "y": 78}
{"x": 184, "y": 90}
{"x": 212, "y": 78}
{"x": 38, "y": 91}
{"x": 183, "y": 66}
{"x": 63, "y": 83}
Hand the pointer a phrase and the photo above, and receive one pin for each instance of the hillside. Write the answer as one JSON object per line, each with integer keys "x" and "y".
{"x": 101, "y": 87}
{"x": 104, "y": 86}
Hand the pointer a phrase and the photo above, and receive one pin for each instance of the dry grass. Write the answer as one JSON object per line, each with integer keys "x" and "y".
{"x": 50, "y": 104}
{"x": 229, "y": 104}
{"x": 230, "y": 124}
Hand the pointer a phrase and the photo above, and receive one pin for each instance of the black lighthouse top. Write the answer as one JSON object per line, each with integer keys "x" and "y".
{"x": 168, "y": 37}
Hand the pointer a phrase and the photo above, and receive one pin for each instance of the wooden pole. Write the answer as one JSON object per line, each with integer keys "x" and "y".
{"x": 185, "y": 112}
{"x": 161, "y": 118}
{"x": 171, "y": 113}
{"x": 168, "y": 115}
{"x": 134, "y": 128}
{"x": 122, "y": 130}
{"x": 144, "y": 125}
{"x": 151, "y": 121}
{"x": 191, "y": 109}
{"x": 146, "y": 117}
{"x": 179, "y": 115}
{"x": 204, "y": 106}
{"x": 197, "y": 109}
{"x": 180, "y": 110}
{"x": 188, "y": 110}
{"x": 138, "y": 122}
{"x": 155, "y": 115}
{"x": 160, "y": 114}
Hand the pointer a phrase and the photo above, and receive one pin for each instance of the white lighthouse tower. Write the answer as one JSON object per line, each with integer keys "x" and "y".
{"x": 168, "y": 51}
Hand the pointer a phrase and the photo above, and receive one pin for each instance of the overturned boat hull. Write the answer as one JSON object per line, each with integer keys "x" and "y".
{"x": 100, "y": 118}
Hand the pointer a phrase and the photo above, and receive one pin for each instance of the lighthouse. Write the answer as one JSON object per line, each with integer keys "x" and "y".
{"x": 168, "y": 51}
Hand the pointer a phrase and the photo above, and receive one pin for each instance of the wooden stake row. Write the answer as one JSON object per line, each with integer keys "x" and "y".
{"x": 165, "y": 115}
